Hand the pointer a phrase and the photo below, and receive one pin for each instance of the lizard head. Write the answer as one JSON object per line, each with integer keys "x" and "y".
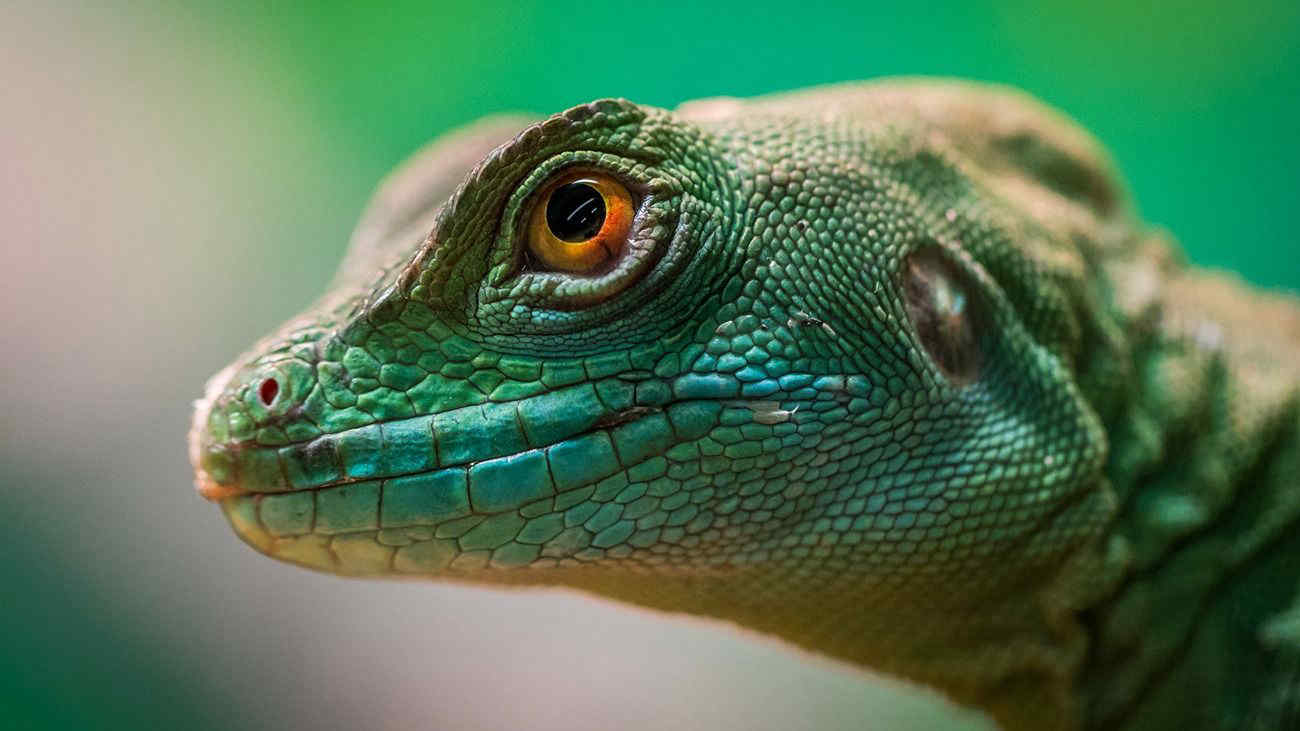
{"x": 713, "y": 359}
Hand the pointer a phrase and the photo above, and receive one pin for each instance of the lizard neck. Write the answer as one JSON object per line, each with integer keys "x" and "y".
{"x": 1013, "y": 659}
{"x": 1205, "y": 463}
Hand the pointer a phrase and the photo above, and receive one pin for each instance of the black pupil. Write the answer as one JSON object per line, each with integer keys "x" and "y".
{"x": 575, "y": 212}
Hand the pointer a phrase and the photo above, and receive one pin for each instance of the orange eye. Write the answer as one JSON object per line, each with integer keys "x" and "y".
{"x": 581, "y": 223}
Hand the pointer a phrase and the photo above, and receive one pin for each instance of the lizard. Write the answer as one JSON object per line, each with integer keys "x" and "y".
{"x": 890, "y": 370}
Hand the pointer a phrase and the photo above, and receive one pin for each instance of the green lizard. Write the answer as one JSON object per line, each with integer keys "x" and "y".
{"x": 888, "y": 370}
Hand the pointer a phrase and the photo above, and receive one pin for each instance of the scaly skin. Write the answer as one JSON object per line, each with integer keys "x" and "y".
{"x": 1092, "y": 526}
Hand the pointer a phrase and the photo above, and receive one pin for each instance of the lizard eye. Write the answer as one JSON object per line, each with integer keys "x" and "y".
{"x": 944, "y": 312}
{"x": 580, "y": 223}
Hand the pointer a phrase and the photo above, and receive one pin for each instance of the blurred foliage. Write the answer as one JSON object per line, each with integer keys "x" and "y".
{"x": 1197, "y": 101}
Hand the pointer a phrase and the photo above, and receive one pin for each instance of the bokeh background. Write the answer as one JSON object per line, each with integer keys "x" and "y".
{"x": 177, "y": 178}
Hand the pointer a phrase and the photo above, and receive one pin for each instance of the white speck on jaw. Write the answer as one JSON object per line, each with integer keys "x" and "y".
{"x": 766, "y": 412}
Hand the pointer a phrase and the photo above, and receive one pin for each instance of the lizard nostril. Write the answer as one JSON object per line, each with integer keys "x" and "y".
{"x": 269, "y": 389}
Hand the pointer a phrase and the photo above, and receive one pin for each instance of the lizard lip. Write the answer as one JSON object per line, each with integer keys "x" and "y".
{"x": 215, "y": 492}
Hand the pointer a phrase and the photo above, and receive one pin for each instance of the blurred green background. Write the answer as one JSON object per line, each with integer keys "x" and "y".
{"x": 176, "y": 179}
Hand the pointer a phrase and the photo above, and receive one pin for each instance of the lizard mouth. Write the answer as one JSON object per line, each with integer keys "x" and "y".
{"x": 212, "y": 491}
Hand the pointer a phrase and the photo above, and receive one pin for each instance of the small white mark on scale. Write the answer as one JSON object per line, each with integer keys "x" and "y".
{"x": 766, "y": 412}
{"x": 1208, "y": 335}
{"x": 799, "y": 318}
